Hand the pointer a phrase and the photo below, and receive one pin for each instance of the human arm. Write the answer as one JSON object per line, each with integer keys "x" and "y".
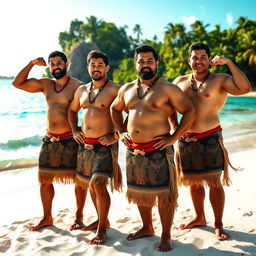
{"x": 21, "y": 81}
{"x": 73, "y": 118}
{"x": 116, "y": 111}
{"x": 236, "y": 84}
{"x": 184, "y": 106}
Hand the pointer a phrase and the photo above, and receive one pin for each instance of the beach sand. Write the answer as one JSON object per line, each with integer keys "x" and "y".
{"x": 21, "y": 207}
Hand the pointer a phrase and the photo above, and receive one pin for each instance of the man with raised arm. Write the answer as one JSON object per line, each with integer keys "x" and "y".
{"x": 202, "y": 155}
{"x": 150, "y": 101}
{"x": 98, "y": 148}
{"x": 57, "y": 159}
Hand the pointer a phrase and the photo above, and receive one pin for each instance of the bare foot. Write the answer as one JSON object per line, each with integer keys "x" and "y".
{"x": 94, "y": 225}
{"x": 196, "y": 222}
{"x": 100, "y": 238}
{"x": 221, "y": 234}
{"x": 45, "y": 222}
{"x": 141, "y": 233}
{"x": 165, "y": 244}
{"x": 78, "y": 224}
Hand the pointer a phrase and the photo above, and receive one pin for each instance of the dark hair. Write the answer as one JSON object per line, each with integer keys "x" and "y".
{"x": 59, "y": 54}
{"x": 97, "y": 54}
{"x": 145, "y": 48}
{"x": 199, "y": 46}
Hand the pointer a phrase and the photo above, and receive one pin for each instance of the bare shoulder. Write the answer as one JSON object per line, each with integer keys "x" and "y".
{"x": 128, "y": 86}
{"x": 75, "y": 82}
{"x": 181, "y": 79}
{"x": 220, "y": 76}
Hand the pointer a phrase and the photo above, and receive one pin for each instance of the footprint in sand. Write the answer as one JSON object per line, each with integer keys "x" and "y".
{"x": 5, "y": 244}
{"x": 249, "y": 214}
{"x": 124, "y": 220}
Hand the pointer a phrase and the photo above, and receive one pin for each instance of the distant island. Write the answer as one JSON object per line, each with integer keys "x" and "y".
{"x": 6, "y": 77}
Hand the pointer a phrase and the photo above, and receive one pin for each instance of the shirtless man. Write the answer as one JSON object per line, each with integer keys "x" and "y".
{"x": 57, "y": 159}
{"x": 97, "y": 153}
{"x": 202, "y": 155}
{"x": 150, "y": 101}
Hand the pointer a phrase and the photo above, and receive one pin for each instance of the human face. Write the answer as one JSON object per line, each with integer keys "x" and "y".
{"x": 58, "y": 67}
{"x": 146, "y": 65}
{"x": 199, "y": 61}
{"x": 97, "y": 69}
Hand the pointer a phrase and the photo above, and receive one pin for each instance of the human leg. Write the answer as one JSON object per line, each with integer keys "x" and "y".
{"x": 217, "y": 199}
{"x": 147, "y": 229}
{"x": 166, "y": 213}
{"x": 47, "y": 194}
{"x": 197, "y": 195}
{"x": 102, "y": 207}
{"x": 80, "y": 193}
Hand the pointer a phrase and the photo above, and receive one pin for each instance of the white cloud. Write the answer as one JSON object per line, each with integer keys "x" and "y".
{"x": 189, "y": 19}
{"x": 229, "y": 19}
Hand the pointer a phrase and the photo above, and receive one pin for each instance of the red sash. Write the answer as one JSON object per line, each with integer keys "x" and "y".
{"x": 91, "y": 141}
{"x": 203, "y": 134}
{"x": 62, "y": 135}
{"x": 146, "y": 147}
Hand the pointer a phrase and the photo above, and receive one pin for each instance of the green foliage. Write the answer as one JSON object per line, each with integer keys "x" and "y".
{"x": 125, "y": 72}
{"x": 238, "y": 44}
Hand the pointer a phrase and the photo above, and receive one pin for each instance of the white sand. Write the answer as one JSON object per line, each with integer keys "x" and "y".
{"x": 21, "y": 207}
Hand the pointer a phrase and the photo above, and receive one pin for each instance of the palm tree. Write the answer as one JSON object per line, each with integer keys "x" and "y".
{"x": 137, "y": 29}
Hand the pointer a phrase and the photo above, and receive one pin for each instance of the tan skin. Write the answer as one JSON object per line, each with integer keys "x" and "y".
{"x": 57, "y": 105}
{"x": 208, "y": 101}
{"x": 148, "y": 119}
{"x": 96, "y": 123}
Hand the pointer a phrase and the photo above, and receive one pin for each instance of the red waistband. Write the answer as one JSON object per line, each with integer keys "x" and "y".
{"x": 92, "y": 140}
{"x": 203, "y": 134}
{"x": 146, "y": 147}
{"x": 62, "y": 135}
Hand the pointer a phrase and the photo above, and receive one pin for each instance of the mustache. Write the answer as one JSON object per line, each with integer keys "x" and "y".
{"x": 96, "y": 72}
{"x": 57, "y": 70}
{"x": 146, "y": 69}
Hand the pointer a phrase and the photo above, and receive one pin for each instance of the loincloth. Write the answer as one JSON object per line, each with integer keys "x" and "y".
{"x": 57, "y": 158}
{"x": 151, "y": 175}
{"x": 201, "y": 158}
{"x": 97, "y": 163}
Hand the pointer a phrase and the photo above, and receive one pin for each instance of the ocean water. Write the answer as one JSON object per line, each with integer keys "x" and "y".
{"x": 22, "y": 123}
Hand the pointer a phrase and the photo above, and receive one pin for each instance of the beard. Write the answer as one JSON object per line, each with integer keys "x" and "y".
{"x": 97, "y": 76}
{"x": 60, "y": 74}
{"x": 146, "y": 75}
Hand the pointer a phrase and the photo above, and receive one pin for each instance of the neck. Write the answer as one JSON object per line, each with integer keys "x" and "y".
{"x": 62, "y": 80}
{"x": 99, "y": 83}
{"x": 201, "y": 75}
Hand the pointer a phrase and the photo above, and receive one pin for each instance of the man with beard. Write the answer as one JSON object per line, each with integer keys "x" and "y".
{"x": 202, "y": 155}
{"x": 98, "y": 148}
{"x": 150, "y": 101}
{"x": 57, "y": 159}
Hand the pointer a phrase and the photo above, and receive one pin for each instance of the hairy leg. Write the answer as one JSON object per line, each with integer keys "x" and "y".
{"x": 198, "y": 196}
{"x": 47, "y": 194}
{"x": 147, "y": 229}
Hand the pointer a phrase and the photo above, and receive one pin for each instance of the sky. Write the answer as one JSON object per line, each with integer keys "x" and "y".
{"x": 30, "y": 28}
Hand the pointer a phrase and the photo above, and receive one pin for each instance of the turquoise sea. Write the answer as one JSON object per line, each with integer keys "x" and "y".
{"x": 22, "y": 123}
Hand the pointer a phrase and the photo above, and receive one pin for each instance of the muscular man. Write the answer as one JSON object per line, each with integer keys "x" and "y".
{"x": 97, "y": 153}
{"x": 57, "y": 160}
{"x": 150, "y": 101}
{"x": 202, "y": 155}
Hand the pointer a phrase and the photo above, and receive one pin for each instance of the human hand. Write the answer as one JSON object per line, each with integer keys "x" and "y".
{"x": 125, "y": 138}
{"x": 219, "y": 60}
{"x": 39, "y": 61}
{"x": 164, "y": 141}
{"x": 107, "y": 139}
{"x": 78, "y": 136}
